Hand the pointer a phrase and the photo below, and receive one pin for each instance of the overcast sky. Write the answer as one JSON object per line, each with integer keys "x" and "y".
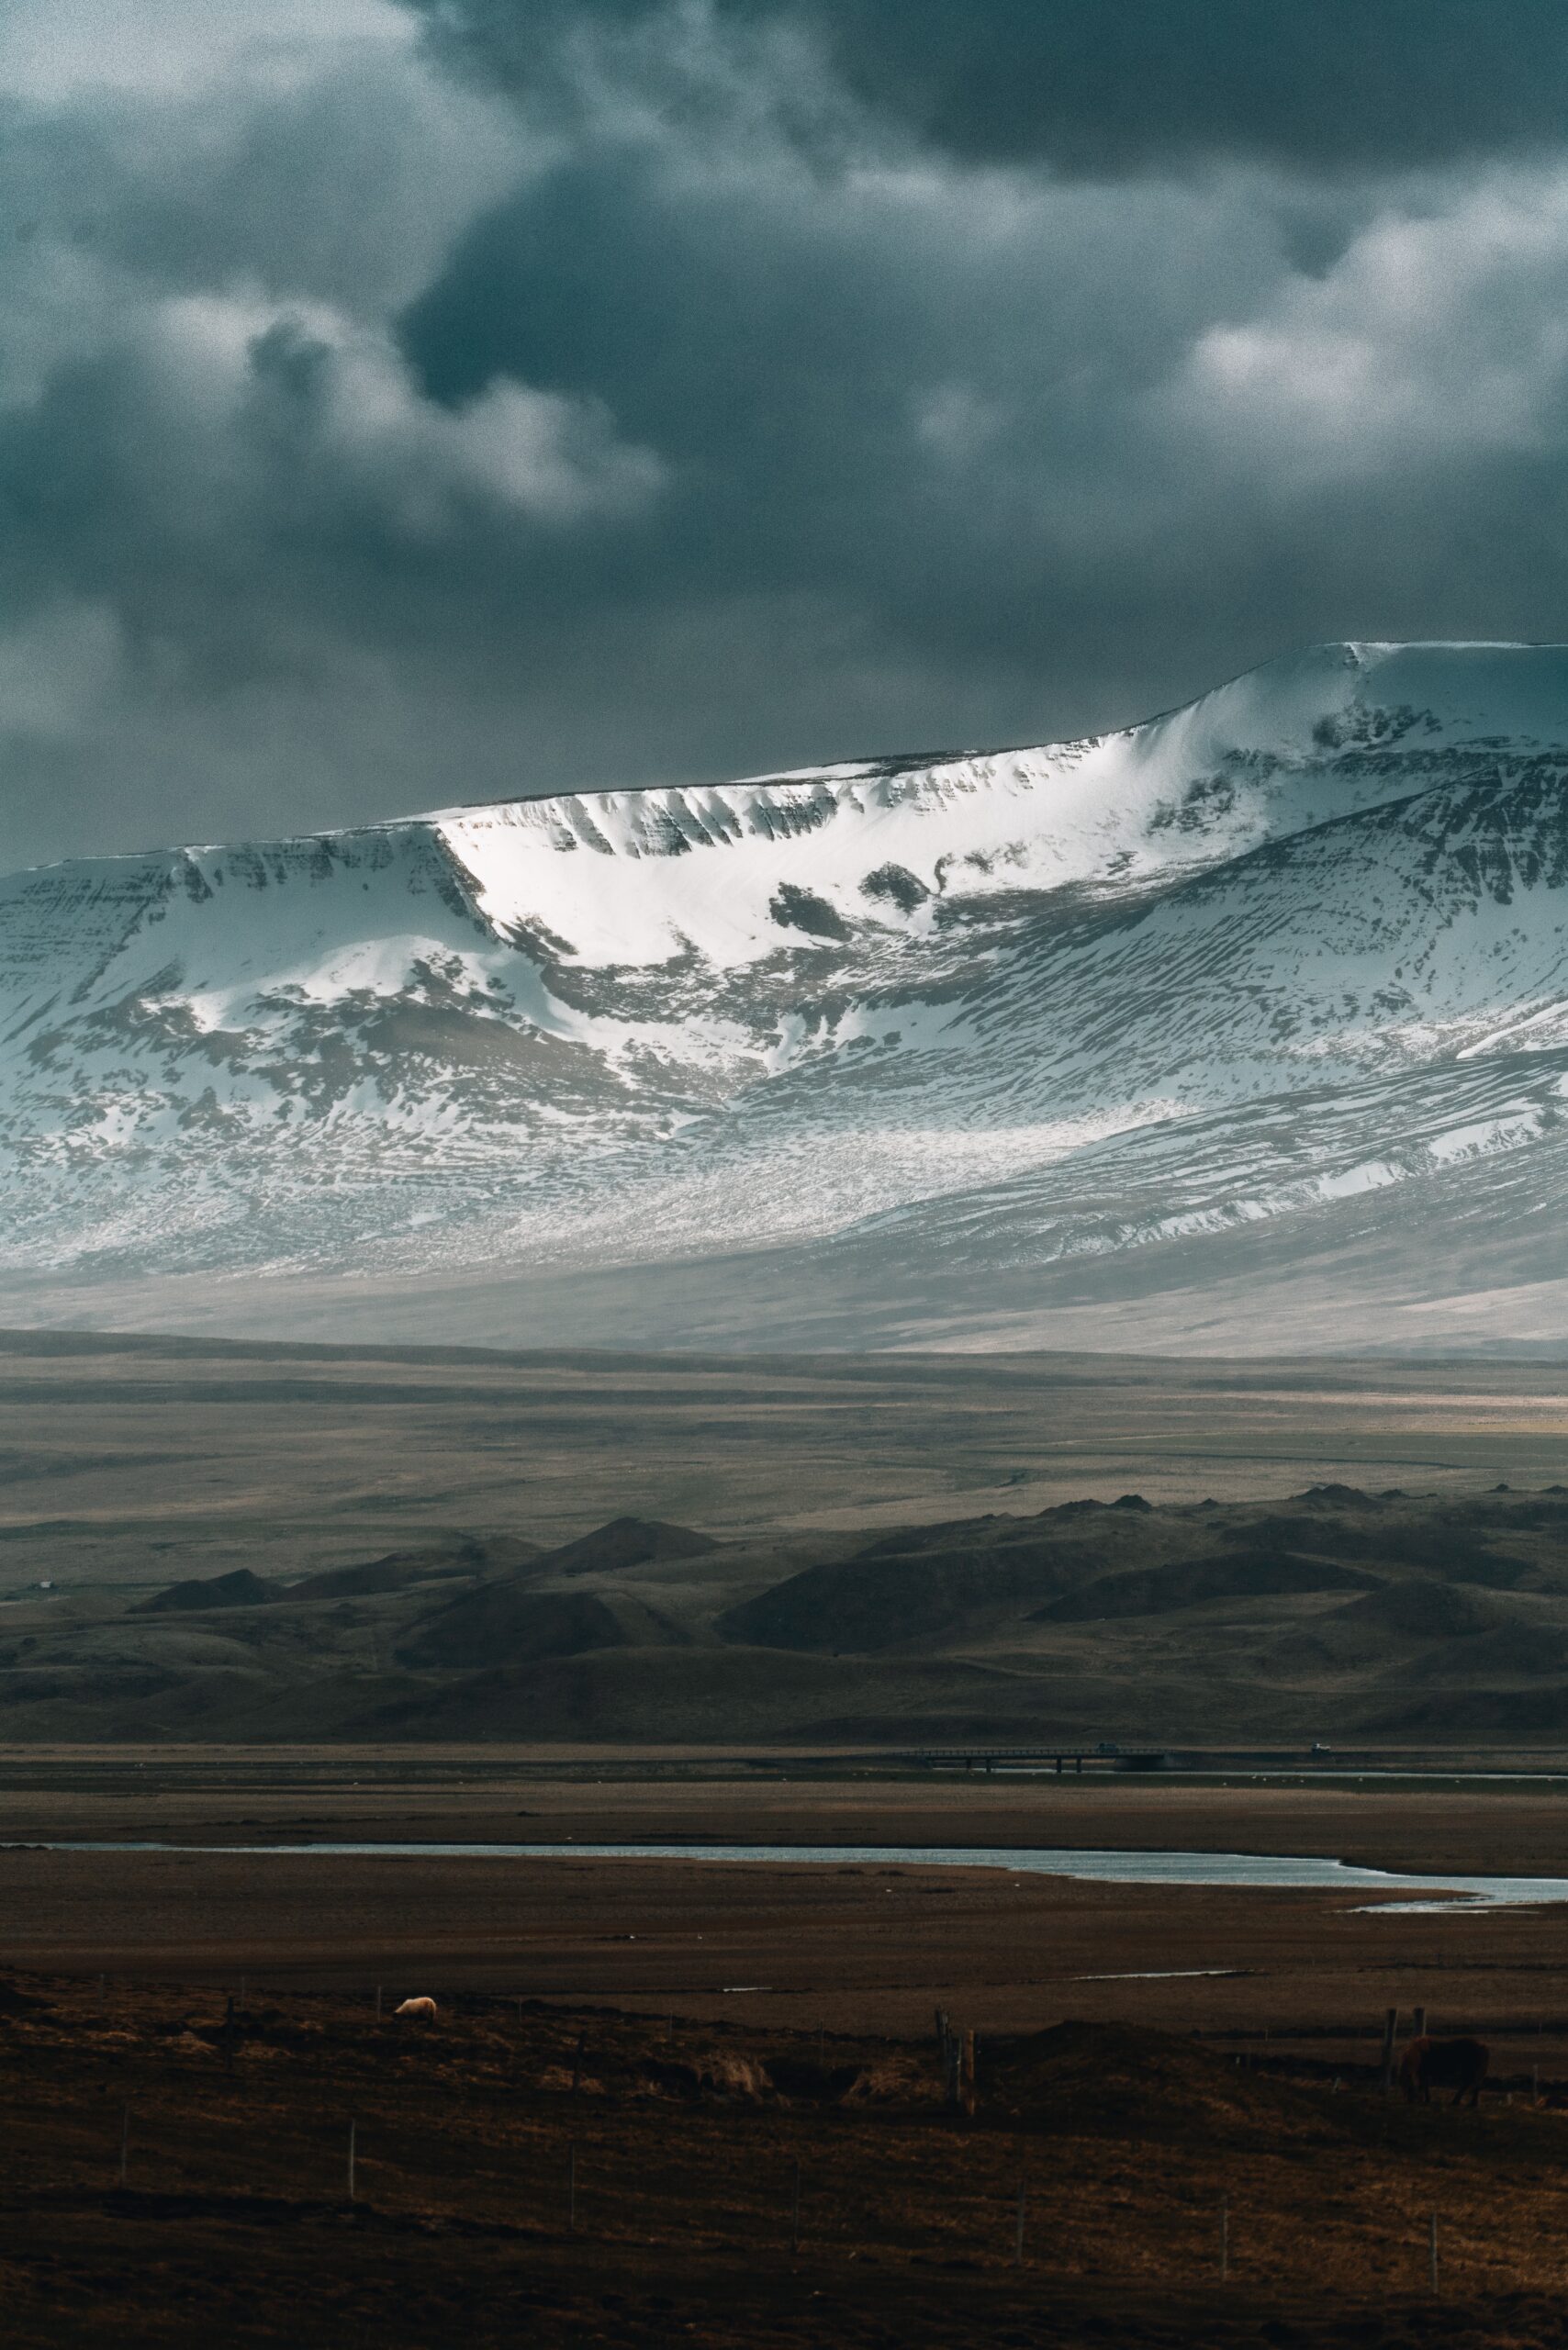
{"x": 408, "y": 401}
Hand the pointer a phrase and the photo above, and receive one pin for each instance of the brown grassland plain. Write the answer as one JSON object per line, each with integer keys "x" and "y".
{"x": 129, "y": 1460}
{"x": 576, "y": 2176}
{"x": 688, "y": 2034}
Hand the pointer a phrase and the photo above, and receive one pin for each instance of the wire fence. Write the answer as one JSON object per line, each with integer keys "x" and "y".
{"x": 394, "y": 2128}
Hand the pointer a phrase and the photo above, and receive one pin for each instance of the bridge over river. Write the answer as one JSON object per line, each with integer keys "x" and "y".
{"x": 986, "y": 1758}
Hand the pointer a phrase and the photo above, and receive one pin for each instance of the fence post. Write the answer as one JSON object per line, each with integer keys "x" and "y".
{"x": 1390, "y": 2033}
{"x": 1420, "y": 2016}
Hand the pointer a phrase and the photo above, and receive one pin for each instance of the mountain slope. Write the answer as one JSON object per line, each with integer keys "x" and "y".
{"x": 1155, "y": 1027}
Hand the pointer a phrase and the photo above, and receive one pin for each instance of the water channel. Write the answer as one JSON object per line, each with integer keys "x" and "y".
{"x": 1269, "y": 1871}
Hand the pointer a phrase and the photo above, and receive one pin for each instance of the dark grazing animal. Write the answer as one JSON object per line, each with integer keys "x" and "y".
{"x": 1458, "y": 2064}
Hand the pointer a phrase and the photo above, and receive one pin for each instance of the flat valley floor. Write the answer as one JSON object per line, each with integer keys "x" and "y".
{"x": 130, "y": 1461}
{"x": 867, "y": 1948}
{"x": 676, "y": 2100}
{"x": 685, "y": 2038}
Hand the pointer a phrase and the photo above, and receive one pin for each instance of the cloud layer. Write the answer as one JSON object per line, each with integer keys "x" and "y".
{"x": 405, "y": 404}
{"x": 1093, "y": 91}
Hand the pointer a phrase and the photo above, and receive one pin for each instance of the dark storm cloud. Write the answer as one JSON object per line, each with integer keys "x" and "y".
{"x": 1020, "y": 430}
{"x": 1103, "y": 89}
{"x": 504, "y": 398}
{"x": 897, "y": 395}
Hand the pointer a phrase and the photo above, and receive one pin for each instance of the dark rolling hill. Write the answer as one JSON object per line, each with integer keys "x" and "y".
{"x": 1339, "y": 1612}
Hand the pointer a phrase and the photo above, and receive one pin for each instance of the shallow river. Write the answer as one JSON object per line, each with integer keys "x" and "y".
{"x": 1277, "y": 1872}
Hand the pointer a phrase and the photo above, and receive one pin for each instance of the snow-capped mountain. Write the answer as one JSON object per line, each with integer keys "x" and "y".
{"x": 1248, "y": 1025}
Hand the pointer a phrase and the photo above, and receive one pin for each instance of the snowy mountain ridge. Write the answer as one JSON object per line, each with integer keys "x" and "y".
{"x": 946, "y": 1026}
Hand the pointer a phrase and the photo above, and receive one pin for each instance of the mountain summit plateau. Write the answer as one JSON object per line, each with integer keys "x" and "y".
{"x": 1243, "y": 1028}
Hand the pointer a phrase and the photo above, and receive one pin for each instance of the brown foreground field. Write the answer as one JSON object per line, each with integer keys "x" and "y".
{"x": 693, "y": 2036}
{"x": 575, "y": 2175}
